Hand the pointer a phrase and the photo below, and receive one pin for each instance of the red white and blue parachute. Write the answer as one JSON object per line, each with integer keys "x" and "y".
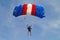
{"x": 29, "y": 9}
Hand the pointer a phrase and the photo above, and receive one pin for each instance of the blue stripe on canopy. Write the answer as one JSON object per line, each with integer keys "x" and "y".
{"x": 40, "y": 11}
{"x": 17, "y": 11}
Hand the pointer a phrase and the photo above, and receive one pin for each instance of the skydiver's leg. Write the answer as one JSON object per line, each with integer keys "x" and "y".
{"x": 30, "y": 33}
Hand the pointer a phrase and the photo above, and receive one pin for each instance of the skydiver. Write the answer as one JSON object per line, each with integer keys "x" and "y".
{"x": 29, "y": 30}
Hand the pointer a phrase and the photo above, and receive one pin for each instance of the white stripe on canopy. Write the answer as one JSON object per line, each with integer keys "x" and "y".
{"x": 29, "y": 9}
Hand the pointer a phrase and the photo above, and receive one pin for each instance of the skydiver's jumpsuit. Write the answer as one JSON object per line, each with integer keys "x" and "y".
{"x": 29, "y": 30}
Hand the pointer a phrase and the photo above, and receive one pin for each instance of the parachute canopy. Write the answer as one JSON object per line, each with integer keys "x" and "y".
{"x": 29, "y": 9}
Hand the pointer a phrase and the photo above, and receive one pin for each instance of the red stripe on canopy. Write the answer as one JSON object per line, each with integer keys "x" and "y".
{"x": 24, "y": 10}
{"x": 33, "y": 12}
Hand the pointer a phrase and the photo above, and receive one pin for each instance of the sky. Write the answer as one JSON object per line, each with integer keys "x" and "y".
{"x": 14, "y": 28}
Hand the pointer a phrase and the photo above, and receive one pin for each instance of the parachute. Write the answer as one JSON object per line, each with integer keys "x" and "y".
{"x": 29, "y": 9}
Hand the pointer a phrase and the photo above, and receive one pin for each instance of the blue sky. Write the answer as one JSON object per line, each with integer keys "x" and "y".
{"x": 12, "y": 28}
